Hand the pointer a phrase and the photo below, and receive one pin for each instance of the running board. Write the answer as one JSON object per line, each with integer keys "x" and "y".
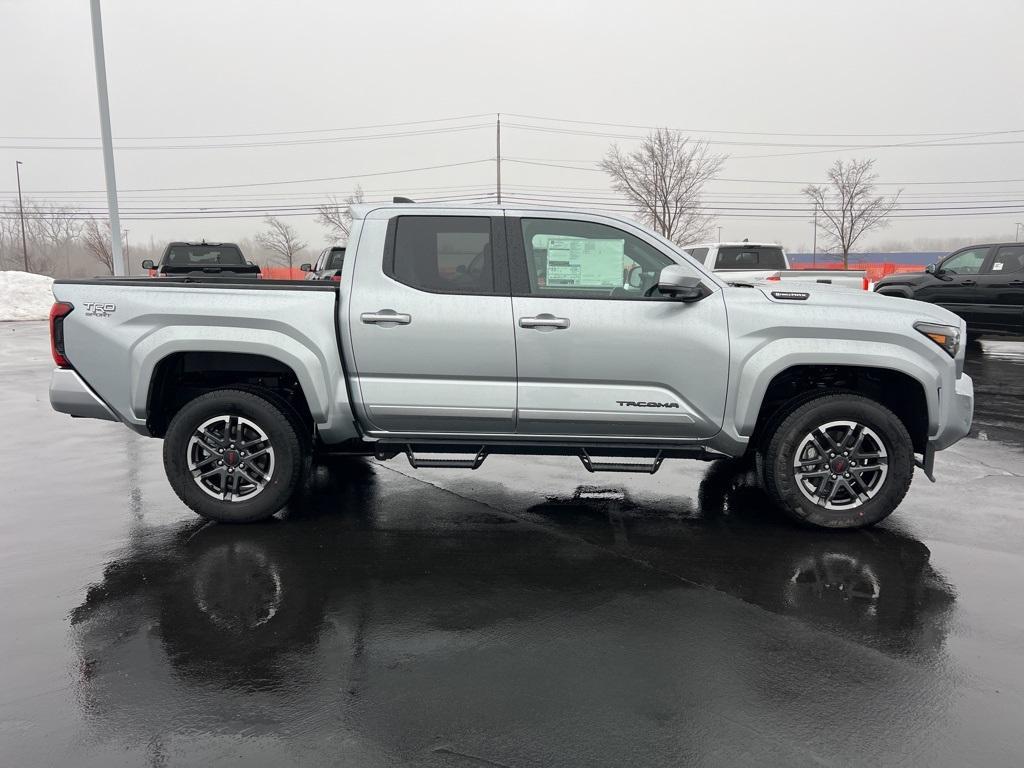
{"x": 417, "y": 462}
{"x": 616, "y": 466}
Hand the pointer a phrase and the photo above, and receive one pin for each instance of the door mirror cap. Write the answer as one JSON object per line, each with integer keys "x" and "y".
{"x": 932, "y": 269}
{"x": 307, "y": 267}
{"x": 148, "y": 264}
{"x": 677, "y": 283}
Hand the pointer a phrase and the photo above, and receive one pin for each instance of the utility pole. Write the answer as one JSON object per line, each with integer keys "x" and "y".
{"x": 21, "y": 214}
{"x": 127, "y": 252}
{"x": 498, "y": 156}
{"x": 108, "y": 144}
{"x": 814, "y": 248}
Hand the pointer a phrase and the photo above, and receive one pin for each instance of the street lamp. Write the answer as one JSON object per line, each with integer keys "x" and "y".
{"x": 21, "y": 214}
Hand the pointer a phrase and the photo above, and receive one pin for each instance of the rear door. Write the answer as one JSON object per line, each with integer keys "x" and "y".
{"x": 430, "y": 318}
{"x": 595, "y": 356}
{"x": 1003, "y": 284}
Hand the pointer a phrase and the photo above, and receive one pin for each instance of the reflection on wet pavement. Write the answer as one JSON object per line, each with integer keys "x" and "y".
{"x": 525, "y": 614}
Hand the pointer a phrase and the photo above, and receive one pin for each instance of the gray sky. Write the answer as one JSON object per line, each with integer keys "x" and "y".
{"x": 185, "y": 68}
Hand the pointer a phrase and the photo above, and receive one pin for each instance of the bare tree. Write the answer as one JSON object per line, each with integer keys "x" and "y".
{"x": 280, "y": 239}
{"x": 337, "y": 217}
{"x": 664, "y": 179}
{"x": 54, "y": 229}
{"x": 96, "y": 241}
{"x": 847, "y": 206}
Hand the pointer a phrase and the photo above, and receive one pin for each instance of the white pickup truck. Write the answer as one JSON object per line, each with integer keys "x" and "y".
{"x": 746, "y": 262}
{"x": 465, "y": 332}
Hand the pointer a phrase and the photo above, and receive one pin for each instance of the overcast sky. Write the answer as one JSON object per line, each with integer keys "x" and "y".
{"x": 754, "y": 74}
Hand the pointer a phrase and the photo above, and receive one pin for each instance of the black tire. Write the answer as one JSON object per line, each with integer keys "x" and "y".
{"x": 280, "y": 430}
{"x": 780, "y": 476}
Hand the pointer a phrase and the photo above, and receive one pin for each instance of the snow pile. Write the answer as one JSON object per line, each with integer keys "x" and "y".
{"x": 24, "y": 296}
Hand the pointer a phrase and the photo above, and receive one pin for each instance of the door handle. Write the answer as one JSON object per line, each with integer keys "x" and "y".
{"x": 544, "y": 321}
{"x": 1016, "y": 283}
{"x": 385, "y": 317}
{"x": 968, "y": 282}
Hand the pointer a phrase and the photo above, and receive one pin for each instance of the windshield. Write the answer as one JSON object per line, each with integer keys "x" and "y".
{"x": 203, "y": 256}
{"x": 750, "y": 257}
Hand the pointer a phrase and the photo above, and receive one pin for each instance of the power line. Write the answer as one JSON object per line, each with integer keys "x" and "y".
{"x": 250, "y": 145}
{"x": 252, "y": 135}
{"x": 750, "y": 133}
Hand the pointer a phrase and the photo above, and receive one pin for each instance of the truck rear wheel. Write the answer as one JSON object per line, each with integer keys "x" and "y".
{"x": 839, "y": 461}
{"x": 233, "y": 456}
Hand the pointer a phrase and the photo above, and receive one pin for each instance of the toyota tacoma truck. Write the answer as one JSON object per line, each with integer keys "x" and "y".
{"x": 457, "y": 333}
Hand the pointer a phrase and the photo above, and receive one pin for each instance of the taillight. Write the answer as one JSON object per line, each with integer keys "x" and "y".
{"x": 58, "y": 312}
{"x": 335, "y": 278}
{"x": 774, "y": 278}
{"x": 865, "y": 284}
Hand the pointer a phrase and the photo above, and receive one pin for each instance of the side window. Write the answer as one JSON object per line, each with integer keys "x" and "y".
{"x": 966, "y": 262}
{"x": 698, "y": 253}
{"x": 581, "y": 259}
{"x": 443, "y": 254}
{"x": 1009, "y": 258}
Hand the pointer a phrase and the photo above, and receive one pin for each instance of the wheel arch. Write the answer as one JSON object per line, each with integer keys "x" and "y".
{"x": 905, "y": 384}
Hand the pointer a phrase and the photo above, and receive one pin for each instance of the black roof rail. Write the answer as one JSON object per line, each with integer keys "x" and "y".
{"x": 402, "y": 200}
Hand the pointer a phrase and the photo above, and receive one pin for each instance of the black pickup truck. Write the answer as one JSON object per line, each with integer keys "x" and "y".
{"x": 180, "y": 259}
{"x": 984, "y": 284}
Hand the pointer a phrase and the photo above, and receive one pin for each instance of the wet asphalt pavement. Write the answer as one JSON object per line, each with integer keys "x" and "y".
{"x": 527, "y": 614}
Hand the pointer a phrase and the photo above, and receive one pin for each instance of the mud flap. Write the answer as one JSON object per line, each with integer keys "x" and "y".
{"x": 927, "y": 462}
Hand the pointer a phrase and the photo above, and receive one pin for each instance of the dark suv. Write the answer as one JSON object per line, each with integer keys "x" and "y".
{"x": 327, "y": 266}
{"x": 984, "y": 284}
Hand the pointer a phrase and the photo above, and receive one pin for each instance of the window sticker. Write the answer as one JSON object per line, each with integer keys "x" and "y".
{"x": 997, "y": 267}
{"x": 584, "y": 262}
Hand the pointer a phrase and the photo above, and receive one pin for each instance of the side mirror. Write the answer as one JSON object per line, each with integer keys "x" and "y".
{"x": 678, "y": 283}
{"x": 307, "y": 267}
{"x": 148, "y": 264}
{"x": 932, "y": 269}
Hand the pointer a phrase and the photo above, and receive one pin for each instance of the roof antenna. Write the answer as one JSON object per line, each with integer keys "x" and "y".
{"x": 402, "y": 200}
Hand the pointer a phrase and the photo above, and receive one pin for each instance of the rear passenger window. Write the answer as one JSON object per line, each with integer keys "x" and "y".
{"x": 1009, "y": 258}
{"x": 444, "y": 254}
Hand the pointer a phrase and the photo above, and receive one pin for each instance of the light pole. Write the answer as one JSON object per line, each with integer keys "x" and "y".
{"x": 108, "y": 148}
{"x": 21, "y": 214}
{"x": 1016, "y": 232}
{"x": 719, "y": 234}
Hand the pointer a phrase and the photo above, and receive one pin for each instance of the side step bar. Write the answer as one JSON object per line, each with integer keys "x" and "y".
{"x": 418, "y": 462}
{"x": 617, "y": 466}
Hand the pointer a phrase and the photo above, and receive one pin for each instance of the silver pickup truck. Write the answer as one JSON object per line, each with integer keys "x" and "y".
{"x": 746, "y": 261}
{"x": 456, "y": 333}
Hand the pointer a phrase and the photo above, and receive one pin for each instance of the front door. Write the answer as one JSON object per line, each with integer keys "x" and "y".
{"x": 595, "y": 356}
{"x": 955, "y": 285}
{"x": 431, "y": 326}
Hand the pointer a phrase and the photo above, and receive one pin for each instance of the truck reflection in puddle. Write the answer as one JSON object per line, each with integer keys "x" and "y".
{"x": 413, "y": 572}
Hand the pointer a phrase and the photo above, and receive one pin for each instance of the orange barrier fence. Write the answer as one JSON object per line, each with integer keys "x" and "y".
{"x": 282, "y": 273}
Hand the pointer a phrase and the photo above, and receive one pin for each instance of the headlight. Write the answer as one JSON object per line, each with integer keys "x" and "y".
{"x": 946, "y": 336}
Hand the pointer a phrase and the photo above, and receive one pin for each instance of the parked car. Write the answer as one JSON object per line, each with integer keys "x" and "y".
{"x": 983, "y": 284}
{"x": 327, "y": 266}
{"x": 739, "y": 262}
{"x": 222, "y": 259}
{"x": 470, "y": 331}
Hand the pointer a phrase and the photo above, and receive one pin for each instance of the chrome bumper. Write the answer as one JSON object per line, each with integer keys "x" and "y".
{"x": 69, "y": 394}
{"x": 959, "y": 414}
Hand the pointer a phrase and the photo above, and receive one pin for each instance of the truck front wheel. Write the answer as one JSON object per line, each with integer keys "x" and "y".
{"x": 233, "y": 456}
{"x": 839, "y": 461}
